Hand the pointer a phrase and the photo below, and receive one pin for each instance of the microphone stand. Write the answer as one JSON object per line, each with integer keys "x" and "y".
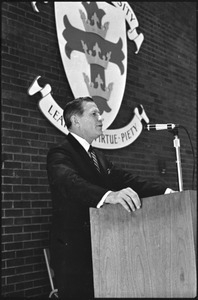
{"x": 176, "y": 143}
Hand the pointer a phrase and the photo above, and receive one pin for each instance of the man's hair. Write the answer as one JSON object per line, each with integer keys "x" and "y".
{"x": 74, "y": 107}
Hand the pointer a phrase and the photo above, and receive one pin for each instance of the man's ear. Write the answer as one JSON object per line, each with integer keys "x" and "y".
{"x": 74, "y": 120}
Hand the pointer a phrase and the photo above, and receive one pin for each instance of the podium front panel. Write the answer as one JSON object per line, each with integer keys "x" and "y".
{"x": 146, "y": 253}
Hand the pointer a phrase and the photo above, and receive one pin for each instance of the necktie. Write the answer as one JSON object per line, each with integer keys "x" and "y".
{"x": 94, "y": 158}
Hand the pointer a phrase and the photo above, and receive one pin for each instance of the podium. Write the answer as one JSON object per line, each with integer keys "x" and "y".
{"x": 149, "y": 253}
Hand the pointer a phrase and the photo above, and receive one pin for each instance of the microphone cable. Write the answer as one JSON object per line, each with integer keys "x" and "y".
{"x": 193, "y": 153}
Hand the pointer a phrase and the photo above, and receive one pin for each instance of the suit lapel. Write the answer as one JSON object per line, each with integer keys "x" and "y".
{"x": 80, "y": 151}
{"x": 84, "y": 156}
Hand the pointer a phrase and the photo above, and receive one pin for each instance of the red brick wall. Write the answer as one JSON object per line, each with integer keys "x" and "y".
{"x": 161, "y": 77}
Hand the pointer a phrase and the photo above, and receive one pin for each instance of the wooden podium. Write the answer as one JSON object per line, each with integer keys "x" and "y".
{"x": 147, "y": 253}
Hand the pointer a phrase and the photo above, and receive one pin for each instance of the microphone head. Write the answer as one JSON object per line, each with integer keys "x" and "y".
{"x": 168, "y": 126}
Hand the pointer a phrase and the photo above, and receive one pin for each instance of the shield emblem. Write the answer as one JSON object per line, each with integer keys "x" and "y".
{"x": 93, "y": 46}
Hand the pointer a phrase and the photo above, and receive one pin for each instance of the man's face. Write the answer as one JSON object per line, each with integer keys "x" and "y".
{"x": 90, "y": 122}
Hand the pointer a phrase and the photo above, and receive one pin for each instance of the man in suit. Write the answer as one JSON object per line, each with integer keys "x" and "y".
{"x": 78, "y": 180}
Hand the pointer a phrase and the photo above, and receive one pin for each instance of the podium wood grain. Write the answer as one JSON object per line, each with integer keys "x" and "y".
{"x": 147, "y": 253}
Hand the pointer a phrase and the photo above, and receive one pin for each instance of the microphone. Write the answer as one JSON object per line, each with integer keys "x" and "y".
{"x": 168, "y": 126}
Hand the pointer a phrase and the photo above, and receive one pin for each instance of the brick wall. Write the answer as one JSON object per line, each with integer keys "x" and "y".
{"x": 162, "y": 77}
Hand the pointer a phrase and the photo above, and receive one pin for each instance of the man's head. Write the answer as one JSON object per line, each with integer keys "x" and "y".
{"x": 82, "y": 117}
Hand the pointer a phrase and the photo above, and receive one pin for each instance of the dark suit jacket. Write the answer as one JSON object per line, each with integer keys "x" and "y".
{"x": 76, "y": 185}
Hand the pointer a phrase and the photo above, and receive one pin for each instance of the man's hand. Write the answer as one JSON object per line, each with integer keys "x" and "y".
{"x": 170, "y": 191}
{"x": 127, "y": 197}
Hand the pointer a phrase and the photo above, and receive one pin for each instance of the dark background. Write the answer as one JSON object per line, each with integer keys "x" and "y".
{"x": 161, "y": 77}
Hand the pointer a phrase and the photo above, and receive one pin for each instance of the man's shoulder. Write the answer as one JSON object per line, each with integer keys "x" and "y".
{"x": 58, "y": 151}
{"x": 64, "y": 143}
